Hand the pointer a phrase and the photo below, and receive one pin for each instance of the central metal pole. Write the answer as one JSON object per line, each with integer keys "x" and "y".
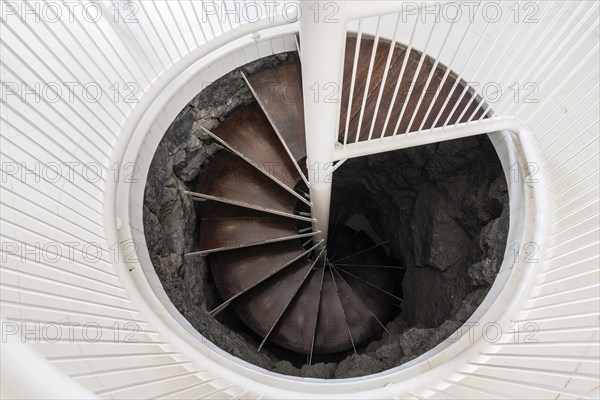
{"x": 322, "y": 42}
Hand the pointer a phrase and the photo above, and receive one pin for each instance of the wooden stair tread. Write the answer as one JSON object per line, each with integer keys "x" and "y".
{"x": 232, "y": 178}
{"x": 298, "y": 324}
{"x": 225, "y": 226}
{"x": 249, "y": 132}
{"x": 263, "y": 305}
{"x": 332, "y": 331}
{"x": 360, "y": 320}
{"x": 238, "y": 270}
{"x": 279, "y": 92}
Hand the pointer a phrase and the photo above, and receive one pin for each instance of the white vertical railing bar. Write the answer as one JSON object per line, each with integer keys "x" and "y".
{"x": 142, "y": 29}
{"x": 551, "y": 46}
{"x": 231, "y": 25}
{"x": 579, "y": 262}
{"x": 368, "y": 82}
{"x": 547, "y": 162}
{"x": 559, "y": 55}
{"x": 557, "y": 51}
{"x": 165, "y": 26}
{"x": 207, "y": 17}
{"x": 542, "y": 371}
{"x": 444, "y": 393}
{"x": 469, "y": 87}
{"x": 223, "y": 16}
{"x": 71, "y": 312}
{"x": 480, "y": 390}
{"x": 558, "y": 88}
{"x": 79, "y": 173}
{"x": 58, "y": 282}
{"x": 198, "y": 21}
{"x": 574, "y": 184}
{"x": 458, "y": 81}
{"x": 51, "y": 199}
{"x": 53, "y": 125}
{"x": 160, "y": 39}
{"x": 47, "y": 85}
{"x": 63, "y": 271}
{"x": 59, "y": 60}
{"x": 68, "y": 299}
{"x": 571, "y": 226}
{"x": 386, "y": 70}
{"x": 542, "y": 357}
{"x": 103, "y": 356}
{"x": 211, "y": 394}
{"x": 128, "y": 369}
{"x": 118, "y": 53}
{"x": 545, "y": 388}
{"x": 44, "y": 223}
{"x": 51, "y": 252}
{"x": 476, "y": 93}
{"x": 146, "y": 383}
{"x": 446, "y": 74}
{"x": 400, "y": 75}
{"x": 592, "y": 188}
{"x": 36, "y": 55}
{"x": 416, "y": 74}
{"x": 567, "y": 130}
{"x": 565, "y": 116}
{"x": 508, "y": 48}
{"x": 134, "y": 39}
{"x": 353, "y": 80}
{"x": 48, "y": 211}
{"x": 177, "y": 25}
{"x": 187, "y": 22}
{"x": 431, "y": 74}
{"x": 509, "y": 65}
{"x": 102, "y": 178}
{"x": 52, "y": 239}
{"x": 89, "y": 37}
{"x": 183, "y": 389}
{"x": 580, "y": 236}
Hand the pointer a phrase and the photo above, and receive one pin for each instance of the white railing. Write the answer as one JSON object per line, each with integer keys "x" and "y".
{"x": 160, "y": 61}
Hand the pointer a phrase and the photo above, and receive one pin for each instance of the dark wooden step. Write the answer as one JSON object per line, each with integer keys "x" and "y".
{"x": 263, "y": 306}
{"x": 297, "y": 327}
{"x": 239, "y": 270}
{"x": 361, "y": 321}
{"x": 249, "y": 133}
{"x": 224, "y": 226}
{"x": 231, "y": 178}
{"x": 279, "y": 93}
{"x": 332, "y": 331}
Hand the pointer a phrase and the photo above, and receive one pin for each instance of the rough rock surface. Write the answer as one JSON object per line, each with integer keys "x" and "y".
{"x": 443, "y": 207}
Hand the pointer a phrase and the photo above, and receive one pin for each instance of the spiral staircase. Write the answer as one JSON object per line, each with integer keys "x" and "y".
{"x": 102, "y": 326}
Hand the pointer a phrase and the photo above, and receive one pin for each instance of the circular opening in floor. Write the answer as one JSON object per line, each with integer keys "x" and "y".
{"x": 428, "y": 223}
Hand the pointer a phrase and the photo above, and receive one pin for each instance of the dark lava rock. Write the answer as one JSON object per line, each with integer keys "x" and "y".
{"x": 359, "y": 365}
{"x": 320, "y": 370}
{"x": 285, "y": 368}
